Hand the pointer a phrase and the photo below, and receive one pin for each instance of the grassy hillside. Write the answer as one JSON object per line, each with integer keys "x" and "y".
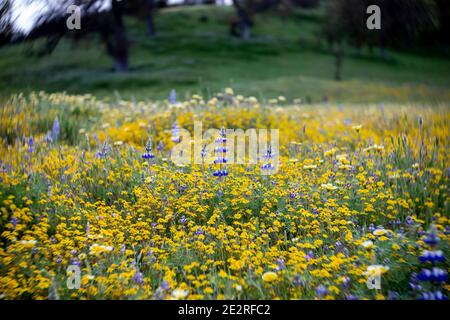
{"x": 193, "y": 55}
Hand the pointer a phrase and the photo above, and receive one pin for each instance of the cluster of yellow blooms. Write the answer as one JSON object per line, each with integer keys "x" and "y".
{"x": 356, "y": 191}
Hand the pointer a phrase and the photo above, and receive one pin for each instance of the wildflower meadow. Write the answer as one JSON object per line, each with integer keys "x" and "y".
{"x": 352, "y": 204}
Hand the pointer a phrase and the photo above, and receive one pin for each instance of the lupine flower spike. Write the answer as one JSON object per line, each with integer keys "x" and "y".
{"x": 148, "y": 150}
{"x": 221, "y": 154}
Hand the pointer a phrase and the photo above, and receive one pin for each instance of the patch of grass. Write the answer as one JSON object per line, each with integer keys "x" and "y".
{"x": 286, "y": 56}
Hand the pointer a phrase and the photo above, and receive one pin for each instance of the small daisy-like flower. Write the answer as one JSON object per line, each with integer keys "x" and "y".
{"x": 357, "y": 128}
{"x": 269, "y": 276}
{"x": 328, "y": 186}
{"x": 368, "y": 244}
{"x": 179, "y": 294}
{"x": 380, "y": 232}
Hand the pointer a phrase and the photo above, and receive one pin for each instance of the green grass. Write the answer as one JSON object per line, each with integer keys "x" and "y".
{"x": 286, "y": 56}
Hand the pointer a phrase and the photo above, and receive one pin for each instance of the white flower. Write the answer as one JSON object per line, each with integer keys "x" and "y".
{"x": 229, "y": 91}
{"x": 178, "y": 294}
{"x": 368, "y": 244}
{"x": 97, "y": 249}
{"x": 28, "y": 243}
{"x": 380, "y": 232}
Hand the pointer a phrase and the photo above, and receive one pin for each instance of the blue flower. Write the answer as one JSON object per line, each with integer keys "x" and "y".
{"x": 173, "y": 97}
{"x": 321, "y": 291}
{"x": 437, "y": 295}
{"x": 436, "y": 274}
{"x": 14, "y": 221}
{"x": 280, "y": 264}
{"x": 176, "y": 132}
{"x": 299, "y": 281}
{"x": 56, "y": 129}
{"x": 267, "y": 166}
{"x": 392, "y": 295}
{"x": 138, "y": 278}
{"x": 148, "y": 150}
{"x": 165, "y": 285}
{"x": 221, "y": 151}
{"x": 432, "y": 256}
{"x": 220, "y": 173}
{"x": 160, "y": 146}
{"x": 30, "y": 144}
{"x": 104, "y": 150}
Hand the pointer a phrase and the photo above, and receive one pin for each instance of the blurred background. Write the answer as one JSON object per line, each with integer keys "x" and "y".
{"x": 313, "y": 50}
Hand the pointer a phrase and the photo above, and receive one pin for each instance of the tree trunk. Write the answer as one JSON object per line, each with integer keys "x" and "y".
{"x": 150, "y": 23}
{"x": 244, "y": 24}
{"x": 244, "y": 29}
{"x": 120, "y": 53}
{"x": 338, "y": 62}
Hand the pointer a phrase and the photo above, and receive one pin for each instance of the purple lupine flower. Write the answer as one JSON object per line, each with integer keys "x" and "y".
{"x": 432, "y": 256}
{"x": 103, "y": 152}
{"x": 321, "y": 291}
{"x": 309, "y": 255}
{"x": 431, "y": 239}
{"x": 447, "y": 230}
{"x": 203, "y": 153}
{"x": 14, "y": 221}
{"x": 160, "y": 146}
{"x": 280, "y": 264}
{"x": 409, "y": 220}
{"x": 392, "y": 295}
{"x": 138, "y": 277}
{"x": 148, "y": 150}
{"x": 56, "y": 129}
{"x": 221, "y": 154}
{"x": 435, "y": 274}
{"x": 220, "y": 173}
{"x": 165, "y": 285}
{"x": 30, "y": 145}
{"x": 437, "y": 295}
{"x": 173, "y": 97}
{"x": 48, "y": 138}
{"x": 268, "y": 156}
{"x": 345, "y": 282}
{"x": 299, "y": 281}
{"x": 267, "y": 166}
{"x": 75, "y": 262}
{"x": 176, "y": 132}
